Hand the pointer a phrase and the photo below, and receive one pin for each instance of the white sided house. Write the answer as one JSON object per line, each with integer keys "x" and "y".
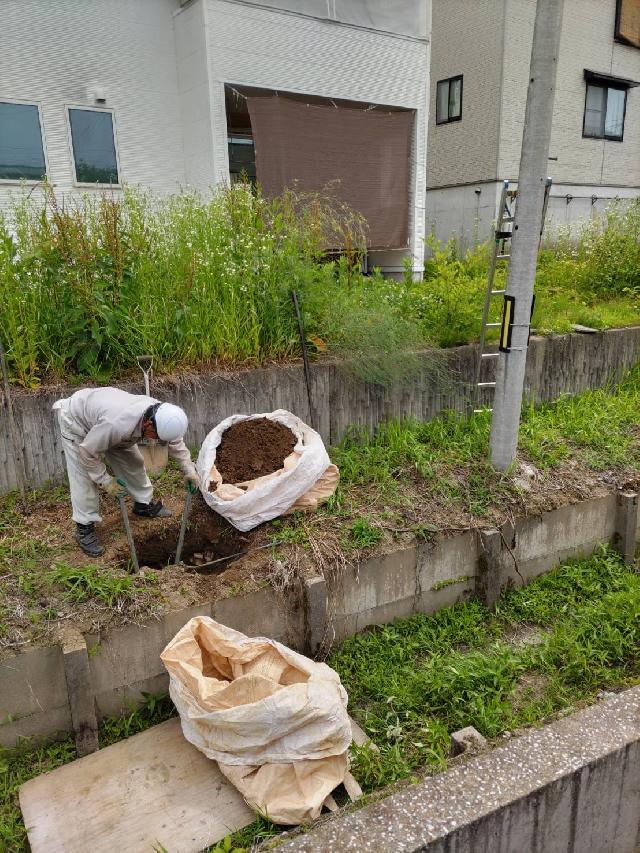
{"x": 479, "y": 76}
{"x": 170, "y": 94}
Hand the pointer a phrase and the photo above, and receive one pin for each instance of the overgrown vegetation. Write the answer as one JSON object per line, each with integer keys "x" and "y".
{"x": 412, "y": 683}
{"x": 589, "y": 275}
{"x": 88, "y": 285}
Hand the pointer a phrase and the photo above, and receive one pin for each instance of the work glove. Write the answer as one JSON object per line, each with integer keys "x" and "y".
{"x": 114, "y": 488}
{"x": 192, "y": 481}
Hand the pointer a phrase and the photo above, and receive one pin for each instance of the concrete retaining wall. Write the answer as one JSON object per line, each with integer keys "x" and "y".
{"x": 555, "y": 366}
{"x": 418, "y": 578}
{"x": 570, "y": 787}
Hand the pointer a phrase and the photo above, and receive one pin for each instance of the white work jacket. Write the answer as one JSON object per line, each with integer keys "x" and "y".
{"x": 107, "y": 418}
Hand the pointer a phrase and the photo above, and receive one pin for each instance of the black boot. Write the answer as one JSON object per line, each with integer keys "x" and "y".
{"x": 153, "y": 510}
{"x": 87, "y": 538}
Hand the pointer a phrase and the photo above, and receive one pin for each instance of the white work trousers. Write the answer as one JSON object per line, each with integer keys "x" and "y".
{"x": 126, "y": 463}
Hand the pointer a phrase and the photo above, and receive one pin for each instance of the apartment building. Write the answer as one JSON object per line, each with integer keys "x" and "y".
{"x": 170, "y": 94}
{"x": 479, "y": 76}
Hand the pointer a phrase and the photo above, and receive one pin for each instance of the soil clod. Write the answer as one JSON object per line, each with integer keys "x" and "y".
{"x": 253, "y": 448}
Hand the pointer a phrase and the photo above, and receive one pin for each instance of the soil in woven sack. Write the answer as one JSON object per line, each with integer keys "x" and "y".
{"x": 253, "y": 448}
{"x": 208, "y": 536}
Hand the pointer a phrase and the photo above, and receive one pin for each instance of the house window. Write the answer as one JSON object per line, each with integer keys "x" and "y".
{"x": 21, "y": 149}
{"x": 242, "y": 158}
{"x": 604, "y": 112}
{"x": 449, "y": 100}
{"x": 93, "y": 143}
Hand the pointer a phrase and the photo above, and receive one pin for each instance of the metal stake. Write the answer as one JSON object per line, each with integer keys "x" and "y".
{"x": 305, "y": 360}
{"x": 21, "y": 473}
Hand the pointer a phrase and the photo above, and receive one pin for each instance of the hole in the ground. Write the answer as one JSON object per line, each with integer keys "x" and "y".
{"x": 208, "y": 537}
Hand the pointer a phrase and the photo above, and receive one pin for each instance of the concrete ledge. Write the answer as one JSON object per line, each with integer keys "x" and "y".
{"x": 571, "y": 786}
{"x": 562, "y": 364}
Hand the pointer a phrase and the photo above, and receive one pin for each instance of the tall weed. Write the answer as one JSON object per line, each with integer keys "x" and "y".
{"x": 89, "y": 284}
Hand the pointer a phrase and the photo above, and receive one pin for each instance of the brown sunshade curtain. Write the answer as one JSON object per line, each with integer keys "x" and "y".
{"x": 364, "y": 155}
{"x": 628, "y": 21}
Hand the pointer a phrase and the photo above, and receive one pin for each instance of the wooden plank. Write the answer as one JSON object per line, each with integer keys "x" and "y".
{"x": 153, "y": 789}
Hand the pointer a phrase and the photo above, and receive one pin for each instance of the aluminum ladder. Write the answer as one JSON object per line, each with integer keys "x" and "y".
{"x": 501, "y": 252}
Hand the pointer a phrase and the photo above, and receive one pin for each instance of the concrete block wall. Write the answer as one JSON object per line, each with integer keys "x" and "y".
{"x": 558, "y": 365}
{"x": 421, "y": 578}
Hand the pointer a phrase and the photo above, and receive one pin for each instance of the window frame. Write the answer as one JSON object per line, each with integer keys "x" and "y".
{"x": 16, "y": 182}
{"x": 450, "y": 80}
{"x": 606, "y": 86}
{"x": 92, "y": 109}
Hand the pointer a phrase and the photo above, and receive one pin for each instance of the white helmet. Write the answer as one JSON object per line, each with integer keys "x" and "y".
{"x": 171, "y": 422}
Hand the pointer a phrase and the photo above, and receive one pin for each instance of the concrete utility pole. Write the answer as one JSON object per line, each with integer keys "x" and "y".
{"x": 526, "y": 229}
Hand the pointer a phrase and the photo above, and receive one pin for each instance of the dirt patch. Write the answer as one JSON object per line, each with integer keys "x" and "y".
{"x": 530, "y": 688}
{"x": 526, "y": 635}
{"x": 253, "y": 448}
{"x": 208, "y": 535}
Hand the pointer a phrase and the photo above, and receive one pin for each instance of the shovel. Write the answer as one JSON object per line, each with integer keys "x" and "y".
{"x": 191, "y": 490}
{"x": 155, "y": 456}
{"x": 127, "y": 526}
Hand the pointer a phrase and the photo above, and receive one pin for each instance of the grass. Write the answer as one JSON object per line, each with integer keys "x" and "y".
{"x": 448, "y": 455}
{"x": 84, "y": 582}
{"x": 88, "y": 285}
{"x": 588, "y": 276}
{"x": 413, "y": 682}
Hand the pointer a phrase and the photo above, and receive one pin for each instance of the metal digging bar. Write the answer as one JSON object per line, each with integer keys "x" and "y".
{"x": 191, "y": 490}
{"x": 239, "y": 554}
{"x": 127, "y": 525}
{"x": 305, "y": 360}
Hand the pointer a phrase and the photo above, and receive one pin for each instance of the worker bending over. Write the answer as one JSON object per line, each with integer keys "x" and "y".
{"x": 99, "y": 424}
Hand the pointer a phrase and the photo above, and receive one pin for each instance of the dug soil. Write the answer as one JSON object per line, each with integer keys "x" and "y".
{"x": 253, "y": 448}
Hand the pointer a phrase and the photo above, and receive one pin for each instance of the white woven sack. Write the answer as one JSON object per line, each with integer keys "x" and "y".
{"x": 275, "y": 721}
{"x": 249, "y": 716}
{"x": 266, "y": 497}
